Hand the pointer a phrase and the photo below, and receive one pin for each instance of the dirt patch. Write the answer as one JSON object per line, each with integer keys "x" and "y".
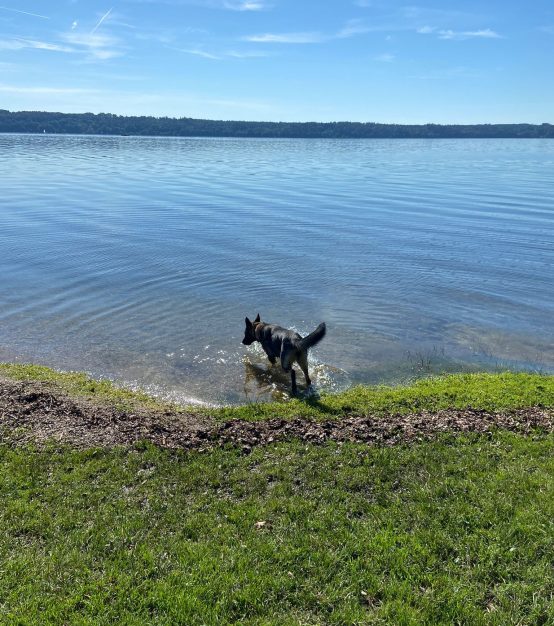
{"x": 388, "y": 430}
{"x": 37, "y": 412}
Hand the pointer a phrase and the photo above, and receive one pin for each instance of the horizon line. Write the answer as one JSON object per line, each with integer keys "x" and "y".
{"x": 245, "y": 121}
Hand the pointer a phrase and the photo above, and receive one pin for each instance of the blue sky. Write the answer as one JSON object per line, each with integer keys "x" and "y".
{"x": 357, "y": 60}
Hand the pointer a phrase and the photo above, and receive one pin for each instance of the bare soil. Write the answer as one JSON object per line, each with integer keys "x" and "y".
{"x": 34, "y": 412}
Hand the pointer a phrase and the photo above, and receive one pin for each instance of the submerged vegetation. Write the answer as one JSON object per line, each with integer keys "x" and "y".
{"x": 109, "y": 124}
{"x": 455, "y": 530}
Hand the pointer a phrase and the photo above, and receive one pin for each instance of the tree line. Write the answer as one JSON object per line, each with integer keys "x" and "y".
{"x": 109, "y": 124}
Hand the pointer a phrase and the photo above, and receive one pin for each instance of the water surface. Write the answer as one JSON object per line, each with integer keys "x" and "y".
{"x": 138, "y": 258}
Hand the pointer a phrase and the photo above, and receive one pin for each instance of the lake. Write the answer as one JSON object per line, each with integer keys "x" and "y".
{"x": 138, "y": 258}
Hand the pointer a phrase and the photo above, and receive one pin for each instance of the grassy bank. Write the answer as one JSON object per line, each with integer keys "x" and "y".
{"x": 479, "y": 391}
{"x": 455, "y": 531}
{"x": 458, "y": 531}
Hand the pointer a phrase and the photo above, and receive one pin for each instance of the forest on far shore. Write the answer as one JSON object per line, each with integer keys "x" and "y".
{"x": 109, "y": 124}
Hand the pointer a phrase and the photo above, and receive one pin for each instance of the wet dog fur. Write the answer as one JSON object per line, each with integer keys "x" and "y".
{"x": 286, "y": 345}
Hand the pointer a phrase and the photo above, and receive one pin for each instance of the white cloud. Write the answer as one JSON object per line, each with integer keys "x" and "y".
{"x": 44, "y": 45}
{"x": 231, "y": 5}
{"x": 17, "y": 89}
{"x": 485, "y": 33}
{"x": 385, "y": 57}
{"x": 430, "y": 15}
{"x": 448, "y": 73}
{"x": 200, "y": 53}
{"x": 11, "y": 44}
{"x": 249, "y": 54}
{"x": 286, "y": 38}
{"x": 351, "y": 29}
{"x": 230, "y": 54}
{"x": 96, "y": 45}
{"x": 21, "y": 44}
{"x": 245, "y": 5}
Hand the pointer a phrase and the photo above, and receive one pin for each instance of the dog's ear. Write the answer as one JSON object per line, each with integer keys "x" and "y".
{"x": 257, "y": 318}
{"x": 248, "y": 322}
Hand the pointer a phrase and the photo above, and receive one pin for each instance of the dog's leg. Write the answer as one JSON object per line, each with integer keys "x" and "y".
{"x": 270, "y": 354}
{"x": 286, "y": 364}
{"x": 293, "y": 381}
{"x": 303, "y": 362}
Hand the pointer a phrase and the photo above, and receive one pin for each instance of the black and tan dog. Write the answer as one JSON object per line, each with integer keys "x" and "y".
{"x": 284, "y": 344}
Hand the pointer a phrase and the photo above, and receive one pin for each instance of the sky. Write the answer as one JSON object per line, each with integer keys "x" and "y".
{"x": 282, "y": 60}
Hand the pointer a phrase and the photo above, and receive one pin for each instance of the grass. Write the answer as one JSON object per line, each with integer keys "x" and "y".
{"x": 456, "y": 531}
{"x": 460, "y": 531}
{"x": 82, "y": 385}
{"x": 480, "y": 391}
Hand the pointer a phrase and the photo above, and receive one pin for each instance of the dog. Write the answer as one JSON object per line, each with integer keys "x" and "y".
{"x": 287, "y": 345}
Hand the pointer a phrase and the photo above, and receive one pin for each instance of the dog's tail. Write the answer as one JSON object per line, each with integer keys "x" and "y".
{"x": 315, "y": 337}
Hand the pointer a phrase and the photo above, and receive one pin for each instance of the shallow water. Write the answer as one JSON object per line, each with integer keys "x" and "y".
{"x": 138, "y": 258}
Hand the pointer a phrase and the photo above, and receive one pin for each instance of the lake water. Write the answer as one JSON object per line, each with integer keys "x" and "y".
{"x": 137, "y": 259}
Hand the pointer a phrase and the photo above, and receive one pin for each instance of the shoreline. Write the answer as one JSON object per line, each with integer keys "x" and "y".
{"x": 45, "y": 122}
{"x": 39, "y": 405}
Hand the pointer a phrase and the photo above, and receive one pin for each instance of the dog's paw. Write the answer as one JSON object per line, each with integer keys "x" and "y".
{"x": 310, "y": 392}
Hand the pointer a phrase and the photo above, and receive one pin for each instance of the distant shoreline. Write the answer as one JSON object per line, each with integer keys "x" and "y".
{"x": 42, "y": 122}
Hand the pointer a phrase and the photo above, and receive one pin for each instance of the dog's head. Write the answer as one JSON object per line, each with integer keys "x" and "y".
{"x": 249, "y": 334}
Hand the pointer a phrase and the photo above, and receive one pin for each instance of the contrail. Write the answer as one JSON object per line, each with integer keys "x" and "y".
{"x": 101, "y": 20}
{"x": 44, "y": 17}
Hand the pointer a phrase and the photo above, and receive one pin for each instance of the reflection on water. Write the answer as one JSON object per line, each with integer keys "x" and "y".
{"x": 263, "y": 380}
{"x": 138, "y": 258}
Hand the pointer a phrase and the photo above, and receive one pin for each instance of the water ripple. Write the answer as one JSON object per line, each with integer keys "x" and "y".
{"x": 126, "y": 256}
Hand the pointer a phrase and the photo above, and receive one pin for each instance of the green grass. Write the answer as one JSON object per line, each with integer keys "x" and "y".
{"x": 459, "y": 531}
{"x": 82, "y": 385}
{"x": 481, "y": 391}
{"x": 456, "y": 531}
